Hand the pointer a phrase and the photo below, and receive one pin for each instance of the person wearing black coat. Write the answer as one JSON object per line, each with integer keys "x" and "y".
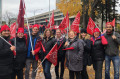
{"x": 86, "y": 54}
{"x": 48, "y": 43}
{"x": 21, "y": 53}
{"x": 98, "y": 52}
{"x": 61, "y": 54}
{"x": 6, "y": 53}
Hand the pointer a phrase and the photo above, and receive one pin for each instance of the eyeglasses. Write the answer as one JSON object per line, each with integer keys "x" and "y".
{"x": 6, "y": 31}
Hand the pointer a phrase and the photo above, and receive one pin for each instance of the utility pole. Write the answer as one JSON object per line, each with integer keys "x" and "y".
{"x": 49, "y": 12}
{"x": 0, "y": 12}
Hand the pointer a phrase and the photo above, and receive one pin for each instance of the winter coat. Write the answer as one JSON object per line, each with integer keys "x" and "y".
{"x": 98, "y": 49}
{"x": 6, "y": 58}
{"x": 86, "y": 54}
{"x": 74, "y": 57}
{"x": 21, "y": 53}
{"x": 48, "y": 45}
{"x": 112, "y": 49}
{"x": 36, "y": 46}
{"x": 60, "y": 43}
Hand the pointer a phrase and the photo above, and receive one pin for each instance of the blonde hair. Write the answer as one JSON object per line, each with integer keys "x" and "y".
{"x": 51, "y": 35}
{"x": 86, "y": 37}
{"x": 69, "y": 32}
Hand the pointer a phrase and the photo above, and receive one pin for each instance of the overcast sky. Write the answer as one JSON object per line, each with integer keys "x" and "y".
{"x": 31, "y": 5}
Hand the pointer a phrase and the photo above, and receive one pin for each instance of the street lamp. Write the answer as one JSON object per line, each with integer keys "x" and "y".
{"x": 35, "y": 12}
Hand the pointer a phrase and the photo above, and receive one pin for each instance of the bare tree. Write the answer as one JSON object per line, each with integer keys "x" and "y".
{"x": 9, "y": 17}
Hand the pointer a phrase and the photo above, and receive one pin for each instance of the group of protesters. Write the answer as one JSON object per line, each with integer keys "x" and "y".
{"x": 75, "y": 53}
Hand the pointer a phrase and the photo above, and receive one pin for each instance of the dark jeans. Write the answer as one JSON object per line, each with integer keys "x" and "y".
{"x": 5, "y": 77}
{"x": 28, "y": 66}
{"x": 72, "y": 74}
{"x": 18, "y": 73}
{"x": 60, "y": 60}
{"x": 115, "y": 60}
{"x": 84, "y": 73}
{"x": 46, "y": 68}
{"x": 98, "y": 65}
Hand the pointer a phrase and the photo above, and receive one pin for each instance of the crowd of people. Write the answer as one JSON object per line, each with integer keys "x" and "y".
{"x": 76, "y": 53}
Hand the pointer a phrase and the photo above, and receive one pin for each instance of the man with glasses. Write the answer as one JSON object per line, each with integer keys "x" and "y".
{"x": 32, "y": 56}
{"x": 112, "y": 51}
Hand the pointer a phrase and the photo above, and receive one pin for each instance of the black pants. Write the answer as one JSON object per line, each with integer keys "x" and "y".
{"x": 62, "y": 67}
{"x": 84, "y": 73}
{"x": 72, "y": 74}
{"x": 98, "y": 65}
{"x": 5, "y": 77}
{"x": 18, "y": 73}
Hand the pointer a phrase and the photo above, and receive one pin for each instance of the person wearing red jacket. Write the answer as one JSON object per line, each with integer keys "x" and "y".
{"x": 32, "y": 55}
{"x": 6, "y": 54}
{"x": 98, "y": 52}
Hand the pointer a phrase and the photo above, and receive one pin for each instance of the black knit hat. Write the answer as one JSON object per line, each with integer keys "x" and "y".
{"x": 83, "y": 30}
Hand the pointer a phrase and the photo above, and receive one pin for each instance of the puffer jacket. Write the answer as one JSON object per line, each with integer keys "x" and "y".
{"x": 98, "y": 49}
{"x": 6, "y": 58}
{"x": 21, "y": 53}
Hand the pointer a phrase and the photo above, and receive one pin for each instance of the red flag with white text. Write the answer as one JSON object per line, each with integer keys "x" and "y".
{"x": 65, "y": 22}
{"x": 90, "y": 26}
{"x": 20, "y": 19}
{"x": 13, "y": 30}
{"x": 52, "y": 55}
{"x": 75, "y": 24}
{"x": 51, "y": 22}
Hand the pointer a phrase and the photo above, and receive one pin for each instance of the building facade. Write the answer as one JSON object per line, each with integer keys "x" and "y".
{"x": 41, "y": 18}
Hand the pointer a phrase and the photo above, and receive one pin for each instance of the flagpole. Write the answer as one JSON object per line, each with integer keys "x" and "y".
{"x": 29, "y": 32}
{"x": 98, "y": 28}
{"x": 44, "y": 59}
{"x": 0, "y": 12}
{"x": 40, "y": 64}
{"x": 49, "y": 13}
{"x": 67, "y": 33}
{"x": 6, "y": 41}
{"x": 114, "y": 30}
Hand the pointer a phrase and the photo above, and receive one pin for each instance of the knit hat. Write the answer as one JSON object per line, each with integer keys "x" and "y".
{"x": 83, "y": 31}
{"x": 96, "y": 30}
{"x": 36, "y": 25}
{"x": 20, "y": 30}
{"x": 4, "y": 27}
{"x": 109, "y": 23}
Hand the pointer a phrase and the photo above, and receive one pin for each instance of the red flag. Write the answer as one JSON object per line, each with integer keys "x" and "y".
{"x": 65, "y": 22}
{"x": 46, "y": 20}
{"x": 90, "y": 26}
{"x": 52, "y": 55}
{"x": 43, "y": 48}
{"x": 113, "y": 23}
{"x": 51, "y": 22}
{"x": 71, "y": 48}
{"x": 75, "y": 24}
{"x": 21, "y": 14}
{"x": 13, "y": 30}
